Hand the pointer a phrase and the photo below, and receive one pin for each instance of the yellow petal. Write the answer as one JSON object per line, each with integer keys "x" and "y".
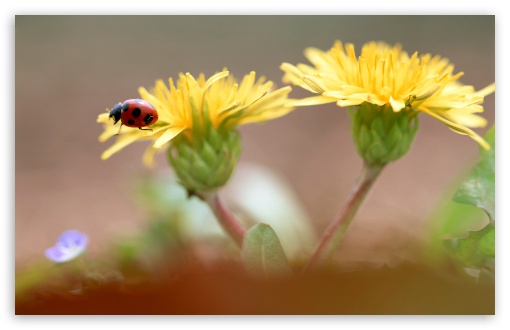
{"x": 167, "y": 136}
{"x": 487, "y": 90}
{"x": 292, "y": 73}
{"x": 121, "y": 142}
{"x": 397, "y": 105}
{"x": 314, "y": 84}
{"x": 349, "y": 102}
{"x": 466, "y": 116}
{"x": 148, "y": 156}
{"x": 103, "y": 118}
{"x": 314, "y": 100}
{"x": 215, "y": 78}
{"x": 459, "y": 129}
{"x": 108, "y": 133}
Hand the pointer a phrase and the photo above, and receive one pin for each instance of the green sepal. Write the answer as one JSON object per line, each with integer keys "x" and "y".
{"x": 214, "y": 138}
{"x": 208, "y": 153}
{"x": 195, "y": 118}
{"x": 205, "y": 162}
{"x": 380, "y": 134}
{"x": 199, "y": 167}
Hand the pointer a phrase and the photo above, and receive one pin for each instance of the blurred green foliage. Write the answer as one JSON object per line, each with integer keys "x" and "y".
{"x": 479, "y": 188}
{"x": 453, "y": 240}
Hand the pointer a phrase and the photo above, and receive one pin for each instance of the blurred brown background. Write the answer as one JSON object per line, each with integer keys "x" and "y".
{"x": 70, "y": 68}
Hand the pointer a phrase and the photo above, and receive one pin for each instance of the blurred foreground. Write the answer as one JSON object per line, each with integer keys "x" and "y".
{"x": 182, "y": 263}
{"x": 227, "y": 290}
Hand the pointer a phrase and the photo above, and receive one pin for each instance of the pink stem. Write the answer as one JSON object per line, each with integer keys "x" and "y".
{"x": 226, "y": 219}
{"x": 336, "y": 230}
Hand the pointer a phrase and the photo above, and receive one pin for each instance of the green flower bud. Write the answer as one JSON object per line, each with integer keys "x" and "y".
{"x": 380, "y": 134}
{"x": 206, "y": 161}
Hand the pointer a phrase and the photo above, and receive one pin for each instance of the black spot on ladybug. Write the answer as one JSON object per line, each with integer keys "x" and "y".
{"x": 131, "y": 122}
{"x": 136, "y": 112}
{"x": 125, "y": 107}
{"x": 148, "y": 119}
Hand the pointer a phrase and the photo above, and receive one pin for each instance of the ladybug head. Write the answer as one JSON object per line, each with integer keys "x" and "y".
{"x": 115, "y": 112}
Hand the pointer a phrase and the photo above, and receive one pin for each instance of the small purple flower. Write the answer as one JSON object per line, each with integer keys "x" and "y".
{"x": 70, "y": 244}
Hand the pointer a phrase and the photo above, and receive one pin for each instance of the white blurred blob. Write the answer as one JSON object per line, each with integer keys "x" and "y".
{"x": 255, "y": 195}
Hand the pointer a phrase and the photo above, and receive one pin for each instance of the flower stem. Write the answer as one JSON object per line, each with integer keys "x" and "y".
{"x": 226, "y": 219}
{"x": 336, "y": 230}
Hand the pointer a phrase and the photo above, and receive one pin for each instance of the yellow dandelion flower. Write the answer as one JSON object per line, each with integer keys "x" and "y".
{"x": 387, "y": 77}
{"x": 193, "y": 104}
{"x": 197, "y": 120}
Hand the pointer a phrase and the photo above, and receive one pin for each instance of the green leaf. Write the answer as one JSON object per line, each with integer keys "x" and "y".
{"x": 263, "y": 253}
{"x": 474, "y": 250}
{"x": 479, "y": 187}
{"x": 477, "y": 249}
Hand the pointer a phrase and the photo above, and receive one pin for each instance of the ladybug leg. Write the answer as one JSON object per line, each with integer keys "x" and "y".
{"x": 119, "y": 129}
{"x": 145, "y": 129}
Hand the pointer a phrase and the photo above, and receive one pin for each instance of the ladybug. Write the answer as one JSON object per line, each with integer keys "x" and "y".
{"x": 134, "y": 113}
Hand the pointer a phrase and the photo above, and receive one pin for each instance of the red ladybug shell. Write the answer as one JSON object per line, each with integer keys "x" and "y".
{"x": 138, "y": 113}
